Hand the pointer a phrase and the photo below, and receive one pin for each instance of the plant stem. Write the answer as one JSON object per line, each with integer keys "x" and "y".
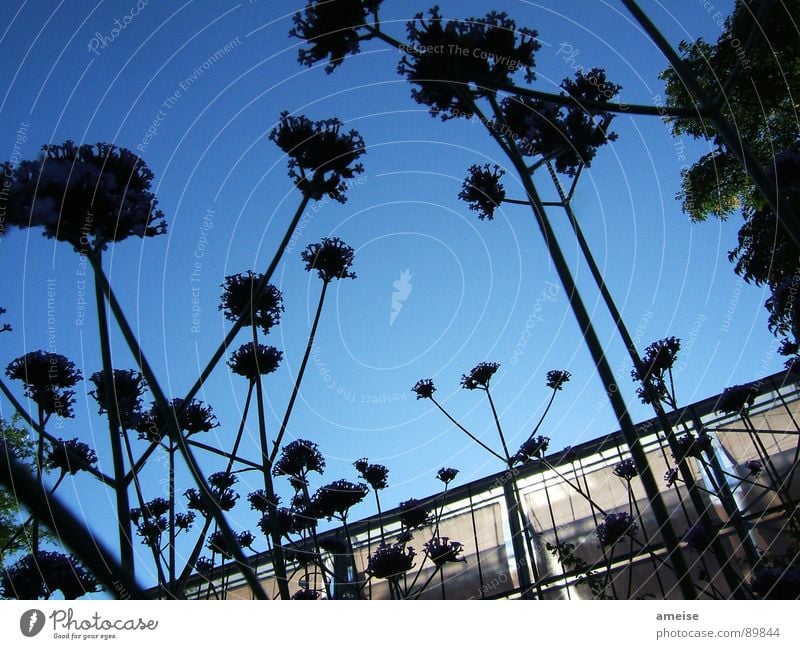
{"x": 311, "y": 337}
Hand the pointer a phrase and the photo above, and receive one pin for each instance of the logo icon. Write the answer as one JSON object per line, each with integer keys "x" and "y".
{"x": 402, "y": 289}
{"x": 31, "y": 622}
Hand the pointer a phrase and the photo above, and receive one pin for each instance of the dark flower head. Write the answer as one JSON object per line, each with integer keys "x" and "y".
{"x": 442, "y": 550}
{"x": 204, "y": 566}
{"x": 195, "y": 417}
{"x": 615, "y": 527}
{"x": 127, "y": 386}
{"x": 671, "y": 476}
{"x": 226, "y": 499}
{"x": 447, "y": 475}
{"x": 754, "y": 467}
{"x": 390, "y": 561}
{"x": 570, "y": 134}
{"x": 286, "y": 522}
{"x": 699, "y": 538}
{"x": 337, "y": 498}
{"x": 183, "y": 521}
{"x": 557, "y": 378}
{"x": 626, "y": 469}
{"x": 151, "y": 529}
{"x": 217, "y": 543}
{"x": 443, "y": 57}
{"x": 5, "y": 326}
{"x": 691, "y": 446}
{"x": 222, "y": 480}
{"x": 659, "y": 357}
{"x": 85, "y": 195}
{"x": 39, "y": 576}
{"x": 424, "y": 388}
{"x": 737, "y": 398}
{"x": 775, "y": 583}
{"x": 239, "y": 299}
{"x": 331, "y": 259}
{"x": 45, "y": 375}
{"x": 534, "y": 447}
{"x": 71, "y": 456}
{"x": 298, "y": 458}
{"x": 258, "y": 500}
{"x": 414, "y": 513}
{"x": 246, "y": 539}
{"x": 375, "y": 475}
{"x": 305, "y": 593}
{"x": 156, "y": 507}
{"x": 321, "y": 157}
{"x": 479, "y": 376}
{"x": 482, "y": 190}
{"x": 252, "y": 360}
{"x": 331, "y": 28}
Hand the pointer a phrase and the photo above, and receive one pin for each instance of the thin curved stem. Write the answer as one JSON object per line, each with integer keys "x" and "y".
{"x": 466, "y": 432}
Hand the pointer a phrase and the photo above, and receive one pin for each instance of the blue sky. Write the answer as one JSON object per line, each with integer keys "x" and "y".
{"x": 480, "y": 291}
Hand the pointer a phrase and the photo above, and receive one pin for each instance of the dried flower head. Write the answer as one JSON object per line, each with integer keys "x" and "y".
{"x": 321, "y": 157}
{"x": 252, "y": 360}
{"x": 442, "y": 550}
{"x": 482, "y": 190}
{"x": 615, "y": 527}
{"x": 43, "y": 374}
{"x": 754, "y": 467}
{"x": 390, "y": 561}
{"x": 127, "y": 388}
{"x": 333, "y": 29}
{"x": 737, "y": 398}
{"x": 222, "y": 480}
{"x": 184, "y": 520}
{"x": 85, "y": 195}
{"x": 306, "y": 594}
{"x": 337, "y": 498}
{"x": 331, "y": 258}
{"x": 298, "y": 458}
{"x": 557, "y": 378}
{"x": 424, "y": 388}
{"x": 479, "y": 376}
{"x": 258, "y": 500}
{"x": 414, "y": 513}
{"x": 626, "y": 469}
{"x": 533, "y": 447}
{"x": 285, "y": 519}
{"x": 240, "y": 298}
{"x": 204, "y": 566}
{"x": 445, "y": 58}
{"x": 71, "y": 456}
{"x": 225, "y": 499}
{"x": 195, "y": 417}
{"x": 39, "y": 576}
{"x": 446, "y": 475}
{"x": 692, "y": 446}
{"x": 375, "y": 475}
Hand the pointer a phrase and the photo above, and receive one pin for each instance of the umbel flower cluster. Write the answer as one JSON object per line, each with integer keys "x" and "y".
{"x": 87, "y": 195}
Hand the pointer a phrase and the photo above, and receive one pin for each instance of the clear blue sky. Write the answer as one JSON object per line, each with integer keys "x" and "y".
{"x": 475, "y": 285}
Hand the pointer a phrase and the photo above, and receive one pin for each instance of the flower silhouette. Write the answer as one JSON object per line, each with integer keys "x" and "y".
{"x": 252, "y": 359}
{"x": 615, "y": 527}
{"x": 446, "y": 475}
{"x": 298, "y": 458}
{"x": 626, "y": 469}
{"x": 390, "y": 561}
{"x": 239, "y": 299}
{"x": 87, "y": 195}
{"x": 442, "y": 550}
{"x": 414, "y": 513}
{"x": 375, "y": 475}
{"x": 737, "y": 398}
{"x": 331, "y": 259}
{"x": 71, "y": 456}
{"x": 482, "y": 190}
{"x": 196, "y": 417}
{"x": 557, "y": 378}
{"x": 337, "y": 498}
{"x": 424, "y": 388}
{"x": 39, "y": 576}
{"x": 331, "y": 28}
{"x": 479, "y": 376}
{"x": 321, "y": 157}
{"x": 128, "y": 386}
{"x": 475, "y": 55}
{"x": 45, "y": 375}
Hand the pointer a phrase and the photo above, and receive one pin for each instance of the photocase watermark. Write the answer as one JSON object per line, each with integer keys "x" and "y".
{"x": 81, "y": 270}
{"x": 173, "y": 98}
{"x": 102, "y": 41}
{"x": 547, "y": 295}
{"x": 20, "y": 137}
{"x": 31, "y": 622}
{"x": 206, "y": 226}
{"x": 733, "y": 302}
{"x": 402, "y": 290}
{"x": 688, "y": 343}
